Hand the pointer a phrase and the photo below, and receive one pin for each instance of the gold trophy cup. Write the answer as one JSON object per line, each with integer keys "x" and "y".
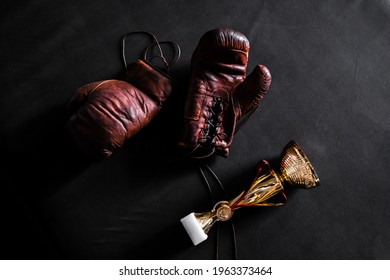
{"x": 267, "y": 189}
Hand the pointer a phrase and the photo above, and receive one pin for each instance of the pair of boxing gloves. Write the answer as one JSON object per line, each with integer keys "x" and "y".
{"x": 105, "y": 114}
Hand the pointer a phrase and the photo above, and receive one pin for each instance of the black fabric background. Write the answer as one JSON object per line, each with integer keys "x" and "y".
{"x": 330, "y": 62}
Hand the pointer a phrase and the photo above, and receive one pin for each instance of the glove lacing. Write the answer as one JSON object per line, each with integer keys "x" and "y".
{"x": 213, "y": 122}
{"x": 211, "y": 130}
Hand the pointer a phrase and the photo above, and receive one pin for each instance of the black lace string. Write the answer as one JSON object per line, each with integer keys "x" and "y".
{"x": 202, "y": 156}
{"x": 167, "y": 65}
{"x": 201, "y": 167}
{"x": 155, "y": 43}
{"x": 207, "y": 184}
{"x": 244, "y": 119}
{"x": 135, "y": 32}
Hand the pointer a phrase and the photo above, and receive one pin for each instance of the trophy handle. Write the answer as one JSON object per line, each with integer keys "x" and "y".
{"x": 266, "y": 186}
{"x": 281, "y": 197}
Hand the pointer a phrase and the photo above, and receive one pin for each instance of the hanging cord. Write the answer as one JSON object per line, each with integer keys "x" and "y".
{"x": 201, "y": 167}
{"x": 244, "y": 119}
{"x": 155, "y": 43}
{"x": 124, "y": 43}
{"x": 158, "y": 44}
{"x": 161, "y": 55}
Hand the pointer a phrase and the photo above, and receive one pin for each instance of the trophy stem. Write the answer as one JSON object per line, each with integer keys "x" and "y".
{"x": 206, "y": 220}
{"x": 282, "y": 178}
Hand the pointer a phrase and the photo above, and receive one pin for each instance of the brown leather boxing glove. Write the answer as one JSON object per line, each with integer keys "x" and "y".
{"x": 104, "y": 114}
{"x": 219, "y": 95}
{"x": 107, "y": 113}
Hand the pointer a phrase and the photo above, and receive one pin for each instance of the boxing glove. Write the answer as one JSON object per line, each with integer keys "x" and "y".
{"x": 219, "y": 95}
{"x": 105, "y": 114}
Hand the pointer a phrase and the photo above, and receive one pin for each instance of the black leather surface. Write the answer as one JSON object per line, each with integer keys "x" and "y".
{"x": 330, "y": 63}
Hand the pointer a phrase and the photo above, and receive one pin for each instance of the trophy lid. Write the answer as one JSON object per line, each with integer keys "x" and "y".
{"x": 296, "y": 167}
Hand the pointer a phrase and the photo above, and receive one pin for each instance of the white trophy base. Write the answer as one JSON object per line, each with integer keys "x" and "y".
{"x": 194, "y": 230}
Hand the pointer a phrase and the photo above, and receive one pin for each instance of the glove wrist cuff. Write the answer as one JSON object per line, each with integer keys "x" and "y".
{"x": 153, "y": 82}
